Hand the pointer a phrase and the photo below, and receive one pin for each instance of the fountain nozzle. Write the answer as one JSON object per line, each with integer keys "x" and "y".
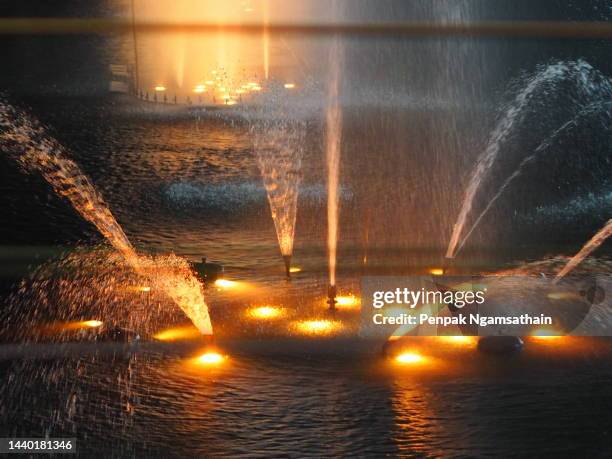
{"x": 331, "y": 297}
{"x": 287, "y": 259}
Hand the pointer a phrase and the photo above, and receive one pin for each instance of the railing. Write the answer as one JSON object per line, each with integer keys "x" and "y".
{"x": 493, "y": 29}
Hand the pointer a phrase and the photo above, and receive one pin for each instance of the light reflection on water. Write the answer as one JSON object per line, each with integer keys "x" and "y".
{"x": 304, "y": 403}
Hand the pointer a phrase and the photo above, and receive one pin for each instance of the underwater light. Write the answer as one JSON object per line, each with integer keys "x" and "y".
{"x": 546, "y": 334}
{"x": 225, "y": 283}
{"x": 91, "y": 323}
{"x": 458, "y": 340}
{"x": 265, "y": 312}
{"x": 347, "y": 301}
{"x": 160, "y": 88}
{"x": 178, "y": 333}
{"x": 410, "y": 358}
{"x": 317, "y": 327}
{"x": 210, "y": 358}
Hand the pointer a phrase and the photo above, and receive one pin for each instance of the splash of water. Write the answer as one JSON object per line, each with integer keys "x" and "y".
{"x": 544, "y": 146}
{"x": 333, "y": 150}
{"x": 25, "y": 140}
{"x": 278, "y": 147}
{"x": 588, "y": 82}
{"x": 589, "y": 247}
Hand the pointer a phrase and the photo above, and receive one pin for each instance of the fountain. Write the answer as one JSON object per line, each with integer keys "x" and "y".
{"x": 278, "y": 146}
{"x": 589, "y": 247}
{"x": 333, "y": 146}
{"x": 25, "y": 140}
{"x": 543, "y": 147}
{"x": 588, "y": 83}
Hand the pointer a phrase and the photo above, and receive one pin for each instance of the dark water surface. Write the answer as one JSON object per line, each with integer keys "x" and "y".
{"x": 188, "y": 183}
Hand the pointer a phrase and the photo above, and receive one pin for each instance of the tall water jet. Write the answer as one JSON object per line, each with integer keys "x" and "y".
{"x": 25, "y": 140}
{"x": 278, "y": 146}
{"x": 588, "y": 83}
{"x": 266, "y": 38}
{"x": 333, "y": 150}
{"x": 589, "y": 247}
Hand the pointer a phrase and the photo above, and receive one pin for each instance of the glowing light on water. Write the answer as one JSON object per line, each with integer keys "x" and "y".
{"x": 178, "y": 334}
{"x": 91, "y": 323}
{"x": 436, "y": 271}
{"x": 347, "y": 301}
{"x": 458, "y": 340}
{"x": 289, "y": 85}
{"x": 27, "y": 143}
{"x": 210, "y": 358}
{"x": 160, "y": 88}
{"x": 589, "y": 247}
{"x": 266, "y": 312}
{"x": 410, "y": 358}
{"x": 295, "y": 269}
{"x": 199, "y": 89}
{"x": 225, "y": 283}
{"x": 546, "y": 334}
{"x": 333, "y": 145}
{"x": 317, "y": 327}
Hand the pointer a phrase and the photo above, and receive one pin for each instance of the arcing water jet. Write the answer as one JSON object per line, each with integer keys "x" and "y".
{"x": 589, "y": 85}
{"x": 25, "y": 140}
{"x": 589, "y": 247}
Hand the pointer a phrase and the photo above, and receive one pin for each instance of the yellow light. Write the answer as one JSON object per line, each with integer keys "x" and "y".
{"x": 178, "y": 333}
{"x": 410, "y": 358}
{"x": 145, "y": 289}
{"x": 231, "y": 102}
{"x": 256, "y": 88}
{"x": 347, "y": 301}
{"x": 289, "y": 85}
{"x": 209, "y": 82}
{"x": 545, "y": 334}
{"x": 266, "y": 312}
{"x": 199, "y": 89}
{"x": 240, "y": 91}
{"x": 225, "y": 283}
{"x": 226, "y": 97}
{"x": 210, "y": 358}
{"x": 248, "y": 10}
{"x": 295, "y": 269}
{"x": 317, "y": 327}
{"x": 436, "y": 271}
{"x": 91, "y": 323}
{"x": 458, "y": 340}
{"x": 160, "y": 88}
